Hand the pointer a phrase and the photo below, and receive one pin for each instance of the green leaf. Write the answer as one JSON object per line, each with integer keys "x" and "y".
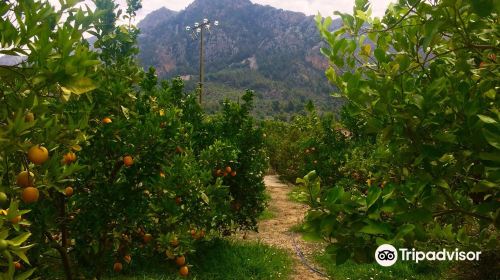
{"x": 373, "y": 195}
{"x": 379, "y": 55}
{"x": 4, "y": 234}
{"x": 487, "y": 119}
{"x": 492, "y": 138}
{"x": 443, "y": 184}
{"x": 374, "y": 228}
{"x": 25, "y": 275}
{"x": 20, "y": 239}
{"x": 490, "y": 156}
{"x": 334, "y": 194}
{"x": 462, "y": 236}
{"x": 205, "y": 198}
{"x": 404, "y": 230}
{"x": 78, "y": 85}
{"x": 126, "y": 112}
{"x": 418, "y": 100}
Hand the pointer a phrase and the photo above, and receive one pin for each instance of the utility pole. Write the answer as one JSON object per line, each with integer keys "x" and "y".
{"x": 199, "y": 29}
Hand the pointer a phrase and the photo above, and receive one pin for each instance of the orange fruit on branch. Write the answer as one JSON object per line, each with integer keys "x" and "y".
{"x": 128, "y": 161}
{"x": 25, "y": 179}
{"x": 147, "y": 237}
{"x": 38, "y": 154}
{"x": 127, "y": 258}
{"x": 30, "y": 195}
{"x": 68, "y": 191}
{"x": 118, "y": 266}
{"x": 233, "y": 173}
{"x": 180, "y": 260}
{"x": 184, "y": 271}
{"x": 107, "y": 120}
{"x": 18, "y": 266}
{"x": 228, "y": 169}
{"x": 16, "y": 220}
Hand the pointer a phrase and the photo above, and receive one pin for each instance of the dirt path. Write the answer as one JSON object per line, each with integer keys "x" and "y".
{"x": 276, "y": 231}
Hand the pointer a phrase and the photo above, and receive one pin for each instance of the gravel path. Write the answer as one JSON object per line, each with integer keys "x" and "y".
{"x": 276, "y": 231}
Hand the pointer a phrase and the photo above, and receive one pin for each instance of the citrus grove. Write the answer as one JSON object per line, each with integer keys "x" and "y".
{"x": 100, "y": 163}
{"x": 413, "y": 157}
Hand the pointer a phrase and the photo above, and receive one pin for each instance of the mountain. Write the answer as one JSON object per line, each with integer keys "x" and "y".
{"x": 272, "y": 51}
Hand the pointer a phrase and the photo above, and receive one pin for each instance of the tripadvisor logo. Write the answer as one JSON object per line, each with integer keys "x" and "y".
{"x": 387, "y": 255}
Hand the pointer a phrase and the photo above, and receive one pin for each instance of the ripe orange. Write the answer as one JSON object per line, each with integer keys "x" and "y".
{"x": 233, "y": 173}
{"x": 69, "y": 158}
{"x": 184, "y": 271}
{"x": 127, "y": 258}
{"x": 128, "y": 161}
{"x": 24, "y": 179}
{"x": 225, "y": 174}
{"x": 18, "y": 266}
{"x": 16, "y": 220}
{"x": 228, "y": 169}
{"x": 162, "y": 174}
{"x": 117, "y": 267}
{"x": 38, "y": 154}
{"x": 180, "y": 260}
{"x": 68, "y": 191}
{"x": 107, "y": 120}
{"x": 30, "y": 195}
{"x": 29, "y": 117}
{"x": 147, "y": 237}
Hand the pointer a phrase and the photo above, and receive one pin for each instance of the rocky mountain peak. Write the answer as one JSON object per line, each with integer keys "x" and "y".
{"x": 272, "y": 51}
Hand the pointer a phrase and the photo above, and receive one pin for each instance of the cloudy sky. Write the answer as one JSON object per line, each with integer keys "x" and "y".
{"x": 309, "y": 7}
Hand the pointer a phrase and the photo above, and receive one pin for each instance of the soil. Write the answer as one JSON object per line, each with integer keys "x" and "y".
{"x": 277, "y": 230}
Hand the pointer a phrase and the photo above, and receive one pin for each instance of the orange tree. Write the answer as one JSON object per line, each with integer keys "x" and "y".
{"x": 41, "y": 116}
{"x": 305, "y": 143}
{"x": 108, "y": 164}
{"x": 421, "y": 85}
{"x": 237, "y": 156}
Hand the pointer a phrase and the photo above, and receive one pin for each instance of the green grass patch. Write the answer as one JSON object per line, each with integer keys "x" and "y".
{"x": 400, "y": 270}
{"x": 297, "y": 228}
{"x": 221, "y": 259}
{"x": 267, "y": 214}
